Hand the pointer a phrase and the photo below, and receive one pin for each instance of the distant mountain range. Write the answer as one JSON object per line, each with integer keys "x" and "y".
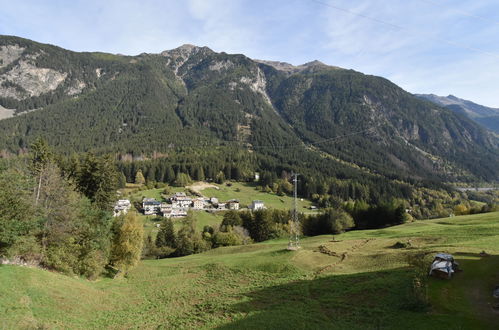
{"x": 194, "y": 97}
{"x": 488, "y": 117}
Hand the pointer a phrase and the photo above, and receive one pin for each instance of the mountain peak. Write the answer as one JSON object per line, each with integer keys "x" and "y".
{"x": 314, "y": 63}
{"x": 290, "y": 68}
{"x": 186, "y": 50}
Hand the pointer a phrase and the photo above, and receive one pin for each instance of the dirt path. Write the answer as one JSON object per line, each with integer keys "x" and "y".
{"x": 342, "y": 256}
{"x": 199, "y": 186}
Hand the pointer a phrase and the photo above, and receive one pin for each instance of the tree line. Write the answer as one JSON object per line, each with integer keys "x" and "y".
{"x": 55, "y": 213}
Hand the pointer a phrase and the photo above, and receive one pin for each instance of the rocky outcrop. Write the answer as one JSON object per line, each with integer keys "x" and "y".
{"x": 26, "y": 80}
{"x": 6, "y": 113}
{"x": 9, "y": 53}
{"x": 76, "y": 88}
{"x": 257, "y": 84}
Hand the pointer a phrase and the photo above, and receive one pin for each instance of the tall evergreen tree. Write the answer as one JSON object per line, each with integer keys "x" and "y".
{"x": 41, "y": 155}
{"x": 166, "y": 234}
{"x": 98, "y": 180}
{"x": 139, "y": 177}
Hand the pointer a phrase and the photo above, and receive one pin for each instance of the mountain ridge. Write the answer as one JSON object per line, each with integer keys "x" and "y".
{"x": 486, "y": 116}
{"x": 194, "y": 96}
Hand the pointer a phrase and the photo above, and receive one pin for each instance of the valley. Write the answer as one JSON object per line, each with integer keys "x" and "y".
{"x": 157, "y": 191}
{"x": 264, "y": 286}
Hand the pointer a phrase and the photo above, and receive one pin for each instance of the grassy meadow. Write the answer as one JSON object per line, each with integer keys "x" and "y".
{"x": 246, "y": 193}
{"x": 264, "y": 286}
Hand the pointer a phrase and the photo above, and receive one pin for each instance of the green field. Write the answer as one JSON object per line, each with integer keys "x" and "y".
{"x": 246, "y": 193}
{"x": 263, "y": 286}
{"x": 135, "y": 194}
{"x": 202, "y": 218}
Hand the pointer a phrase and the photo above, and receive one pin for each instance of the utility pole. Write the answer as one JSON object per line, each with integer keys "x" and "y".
{"x": 294, "y": 237}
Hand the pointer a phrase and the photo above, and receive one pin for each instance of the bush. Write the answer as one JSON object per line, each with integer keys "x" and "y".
{"x": 330, "y": 221}
{"x": 127, "y": 242}
{"x": 231, "y": 218}
{"x": 226, "y": 239}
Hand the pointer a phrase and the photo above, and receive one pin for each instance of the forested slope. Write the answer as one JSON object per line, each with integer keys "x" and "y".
{"x": 192, "y": 97}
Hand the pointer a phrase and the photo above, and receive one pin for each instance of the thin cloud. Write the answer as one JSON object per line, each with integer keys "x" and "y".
{"x": 295, "y": 31}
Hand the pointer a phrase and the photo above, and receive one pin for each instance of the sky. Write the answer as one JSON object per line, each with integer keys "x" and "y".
{"x": 425, "y": 46}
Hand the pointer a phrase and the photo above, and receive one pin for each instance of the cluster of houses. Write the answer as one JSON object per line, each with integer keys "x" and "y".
{"x": 178, "y": 205}
{"x": 121, "y": 207}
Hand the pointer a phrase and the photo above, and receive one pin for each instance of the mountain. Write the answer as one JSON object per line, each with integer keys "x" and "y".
{"x": 488, "y": 117}
{"x": 318, "y": 118}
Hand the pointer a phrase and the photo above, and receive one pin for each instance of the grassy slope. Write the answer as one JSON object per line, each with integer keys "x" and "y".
{"x": 264, "y": 286}
{"x": 246, "y": 193}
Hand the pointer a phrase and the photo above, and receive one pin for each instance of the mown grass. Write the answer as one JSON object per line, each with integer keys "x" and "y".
{"x": 246, "y": 193}
{"x": 263, "y": 286}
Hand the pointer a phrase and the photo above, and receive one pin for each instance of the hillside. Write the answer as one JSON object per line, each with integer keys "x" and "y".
{"x": 264, "y": 286}
{"x": 486, "y": 116}
{"x": 193, "y": 97}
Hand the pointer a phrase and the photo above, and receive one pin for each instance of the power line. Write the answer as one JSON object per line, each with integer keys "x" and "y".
{"x": 462, "y": 12}
{"x": 283, "y": 146}
{"x": 401, "y": 28}
{"x": 294, "y": 235}
{"x": 329, "y": 140}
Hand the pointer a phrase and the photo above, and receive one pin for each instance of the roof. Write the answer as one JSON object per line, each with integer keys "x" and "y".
{"x": 444, "y": 256}
{"x": 152, "y": 203}
{"x": 258, "y": 201}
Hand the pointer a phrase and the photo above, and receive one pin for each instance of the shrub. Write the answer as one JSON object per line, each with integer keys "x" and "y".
{"x": 127, "y": 242}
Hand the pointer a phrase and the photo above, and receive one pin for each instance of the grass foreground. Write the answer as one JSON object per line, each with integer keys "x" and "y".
{"x": 264, "y": 286}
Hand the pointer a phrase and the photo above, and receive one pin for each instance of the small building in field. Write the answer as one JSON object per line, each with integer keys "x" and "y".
{"x": 233, "y": 204}
{"x": 180, "y": 199}
{"x": 165, "y": 208}
{"x": 151, "y": 206}
{"x": 221, "y": 206}
{"x": 256, "y": 205}
{"x": 198, "y": 203}
{"x": 121, "y": 207}
{"x": 178, "y": 212}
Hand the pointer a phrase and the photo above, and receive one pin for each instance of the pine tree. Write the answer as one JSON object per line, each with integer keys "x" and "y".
{"x": 182, "y": 179}
{"x": 166, "y": 234}
{"x": 40, "y": 157}
{"x": 139, "y": 177}
{"x": 121, "y": 180}
{"x": 220, "y": 178}
{"x": 169, "y": 174}
{"x": 98, "y": 180}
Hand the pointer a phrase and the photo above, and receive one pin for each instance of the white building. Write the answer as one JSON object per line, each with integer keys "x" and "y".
{"x": 233, "y": 204}
{"x": 151, "y": 206}
{"x": 179, "y": 199}
{"x": 121, "y": 207}
{"x": 198, "y": 203}
{"x": 175, "y": 212}
{"x": 256, "y": 205}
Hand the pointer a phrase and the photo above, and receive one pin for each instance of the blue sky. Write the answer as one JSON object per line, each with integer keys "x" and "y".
{"x": 425, "y": 46}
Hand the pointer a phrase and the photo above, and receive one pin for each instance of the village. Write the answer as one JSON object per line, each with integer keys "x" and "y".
{"x": 178, "y": 204}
